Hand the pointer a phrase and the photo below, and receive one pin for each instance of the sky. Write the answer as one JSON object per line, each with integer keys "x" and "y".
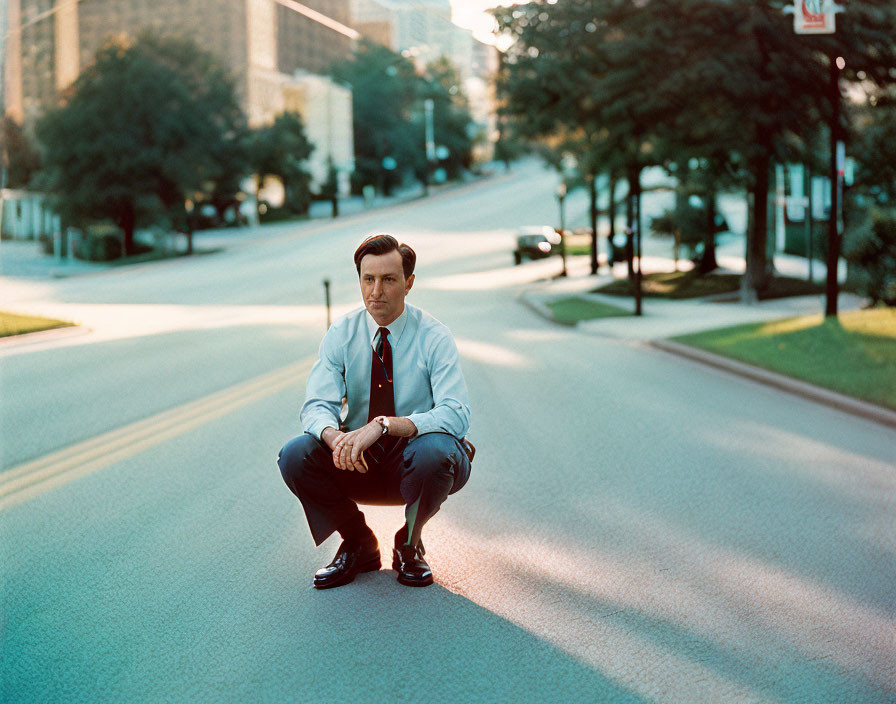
{"x": 471, "y": 14}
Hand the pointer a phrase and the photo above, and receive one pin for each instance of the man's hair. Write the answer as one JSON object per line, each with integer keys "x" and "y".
{"x": 383, "y": 244}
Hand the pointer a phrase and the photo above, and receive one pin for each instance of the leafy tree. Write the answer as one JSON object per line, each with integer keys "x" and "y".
{"x": 668, "y": 80}
{"x": 385, "y": 91}
{"x": 144, "y": 129}
{"x": 873, "y": 252}
{"x": 452, "y": 122}
{"x": 388, "y": 95}
{"x": 278, "y": 150}
{"x": 874, "y": 148}
{"x": 509, "y": 146}
{"x": 330, "y": 188}
{"x": 20, "y": 157}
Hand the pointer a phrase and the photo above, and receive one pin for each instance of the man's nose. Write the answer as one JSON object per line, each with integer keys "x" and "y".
{"x": 377, "y": 288}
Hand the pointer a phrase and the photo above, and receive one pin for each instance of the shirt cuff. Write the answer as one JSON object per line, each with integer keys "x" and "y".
{"x": 423, "y": 422}
{"x": 318, "y": 425}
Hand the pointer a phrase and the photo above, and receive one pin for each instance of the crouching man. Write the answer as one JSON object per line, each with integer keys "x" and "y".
{"x": 402, "y": 441}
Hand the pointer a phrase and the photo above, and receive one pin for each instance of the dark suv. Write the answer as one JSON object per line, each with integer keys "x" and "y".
{"x": 536, "y": 243}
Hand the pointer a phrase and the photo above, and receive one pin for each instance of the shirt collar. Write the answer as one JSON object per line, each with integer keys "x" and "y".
{"x": 395, "y": 328}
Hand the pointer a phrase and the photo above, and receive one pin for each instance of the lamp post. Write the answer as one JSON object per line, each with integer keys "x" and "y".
{"x": 823, "y": 21}
{"x": 833, "y": 258}
{"x": 429, "y": 129}
{"x": 561, "y": 196}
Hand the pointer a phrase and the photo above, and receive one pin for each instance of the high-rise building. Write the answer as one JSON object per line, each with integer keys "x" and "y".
{"x": 269, "y": 46}
{"x": 423, "y": 31}
{"x": 422, "y": 27}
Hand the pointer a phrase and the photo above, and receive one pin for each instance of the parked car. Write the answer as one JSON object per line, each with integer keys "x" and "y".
{"x": 536, "y": 243}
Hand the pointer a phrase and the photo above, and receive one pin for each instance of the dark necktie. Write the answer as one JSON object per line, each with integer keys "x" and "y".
{"x": 382, "y": 396}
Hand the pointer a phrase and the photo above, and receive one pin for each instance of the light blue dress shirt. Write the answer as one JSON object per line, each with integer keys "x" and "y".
{"x": 428, "y": 384}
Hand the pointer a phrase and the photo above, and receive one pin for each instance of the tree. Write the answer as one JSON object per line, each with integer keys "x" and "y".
{"x": 452, "y": 122}
{"x": 874, "y": 148}
{"x": 144, "y": 129}
{"x": 20, "y": 157}
{"x": 330, "y": 188}
{"x": 385, "y": 90}
{"x": 873, "y": 252}
{"x": 653, "y": 81}
{"x": 278, "y": 150}
{"x": 388, "y": 110}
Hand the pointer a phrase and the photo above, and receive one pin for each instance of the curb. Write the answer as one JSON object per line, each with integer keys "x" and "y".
{"x": 542, "y": 310}
{"x": 27, "y": 338}
{"x": 833, "y": 399}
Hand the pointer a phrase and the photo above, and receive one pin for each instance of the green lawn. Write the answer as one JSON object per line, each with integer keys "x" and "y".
{"x": 13, "y": 324}
{"x": 571, "y": 310}
{"x": 855, "y": 354}
{"x": 686, "y": 284}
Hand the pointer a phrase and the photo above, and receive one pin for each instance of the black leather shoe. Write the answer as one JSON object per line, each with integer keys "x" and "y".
{"x": 351, "y": 558}
{"x": 412, "y": 569}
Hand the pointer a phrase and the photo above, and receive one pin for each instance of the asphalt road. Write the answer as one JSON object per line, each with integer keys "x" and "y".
{"x": 636, "y": 528}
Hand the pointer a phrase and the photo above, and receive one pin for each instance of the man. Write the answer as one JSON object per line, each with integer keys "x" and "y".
{"x": 402, "y": 441}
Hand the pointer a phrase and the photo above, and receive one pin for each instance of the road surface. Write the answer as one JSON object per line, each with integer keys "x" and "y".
{"x": 636, "y": 528}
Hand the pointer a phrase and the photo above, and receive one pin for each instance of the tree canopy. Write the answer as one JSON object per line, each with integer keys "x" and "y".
{"x": 279, "y": 150}
{"x": 663, "y": 81}
{"x": 388, "y": 95}
{"x": 147, "y": 127}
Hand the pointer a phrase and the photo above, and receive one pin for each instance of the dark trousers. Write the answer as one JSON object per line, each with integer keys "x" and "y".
{"x": 421, "y": 477}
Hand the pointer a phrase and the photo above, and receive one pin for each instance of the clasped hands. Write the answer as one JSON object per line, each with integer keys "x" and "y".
{"x": 348, "y": 448}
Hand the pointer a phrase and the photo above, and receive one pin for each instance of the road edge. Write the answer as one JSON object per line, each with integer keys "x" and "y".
{"x": 832, "y": 399}
{"x": 541, "y": 309}
{"x": 27, "y": 338}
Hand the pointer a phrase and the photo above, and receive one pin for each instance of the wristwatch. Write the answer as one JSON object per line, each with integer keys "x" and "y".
{"x": 383, "y": 421}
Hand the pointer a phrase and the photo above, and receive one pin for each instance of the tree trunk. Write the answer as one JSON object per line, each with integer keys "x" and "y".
{"x": 611, "y": 212}
{"x": 757, "y": 274}
{"x": 634, "y": 188}
{"x": 708, "y": 261}
{"x": 629, "y": 232}
{"x": 592, "y": 192}
{"x": 259, "y": 184}
{"x": 128, "y": 224}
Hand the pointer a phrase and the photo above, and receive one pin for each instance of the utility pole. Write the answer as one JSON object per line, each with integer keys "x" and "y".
{"x": 833, "y": 258}
{"x": 561, "y": 195}
{"x": 634, "y": 184}
{"x": 824, "y": 22}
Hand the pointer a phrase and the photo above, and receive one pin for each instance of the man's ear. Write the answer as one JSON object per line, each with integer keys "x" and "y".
{"x": 408, "y": 284}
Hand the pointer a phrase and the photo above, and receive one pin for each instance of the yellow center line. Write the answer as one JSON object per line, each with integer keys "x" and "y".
{"x": 57, "y": 468}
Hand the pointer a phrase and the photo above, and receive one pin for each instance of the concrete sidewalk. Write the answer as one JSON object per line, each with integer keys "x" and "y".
{"x": 662, "y": 319}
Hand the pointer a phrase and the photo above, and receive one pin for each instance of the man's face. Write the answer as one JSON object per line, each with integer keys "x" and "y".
{"x": 383, "y": 286}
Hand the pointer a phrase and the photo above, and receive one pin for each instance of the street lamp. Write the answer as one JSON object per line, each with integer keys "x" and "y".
{"x": 823, "y": 21}
{"x": 428, "y": 108}
{"x": 561, "y": 196}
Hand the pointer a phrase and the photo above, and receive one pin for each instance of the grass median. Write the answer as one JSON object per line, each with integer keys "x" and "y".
{"x": 15, "y": 324}
{"x": 570, "y": 311}
{"x": 679, "y": 285}
{"x": 854, "y": 354}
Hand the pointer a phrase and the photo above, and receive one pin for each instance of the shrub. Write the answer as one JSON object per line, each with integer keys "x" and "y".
{"x": 100, "y": 243}
{"x": 873, "y": 253}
